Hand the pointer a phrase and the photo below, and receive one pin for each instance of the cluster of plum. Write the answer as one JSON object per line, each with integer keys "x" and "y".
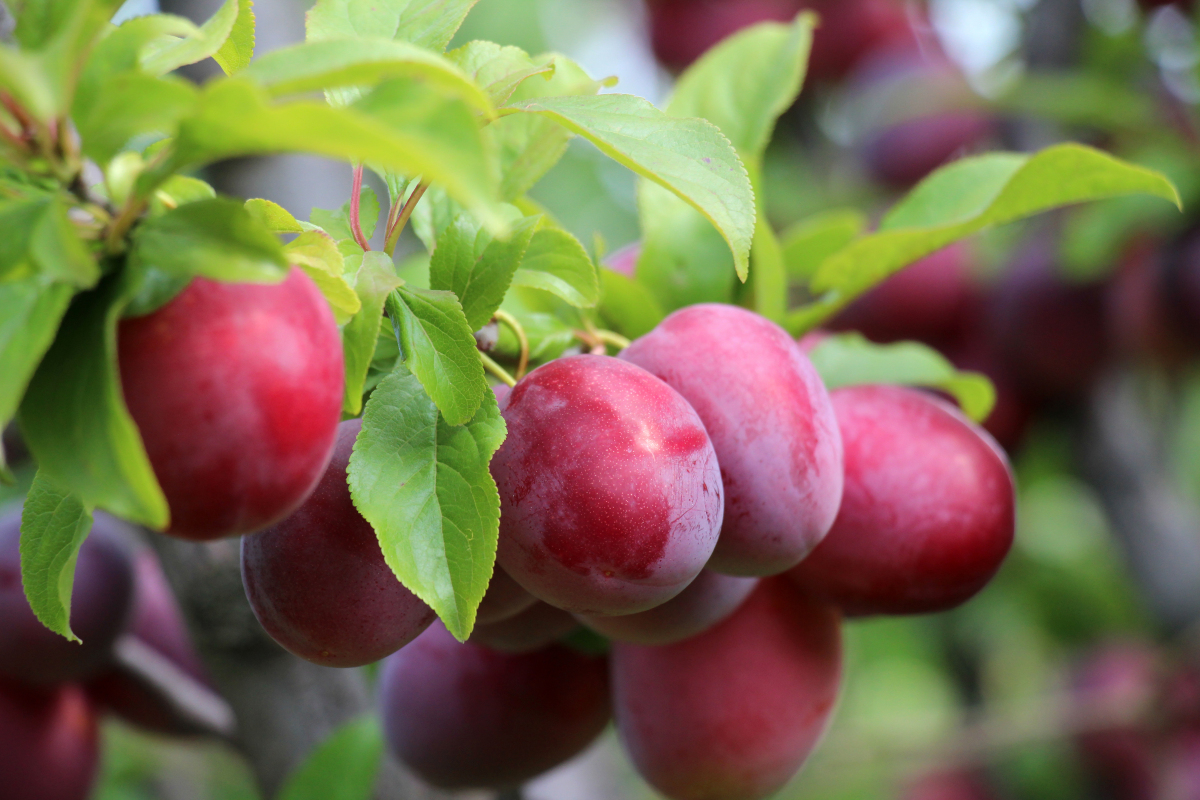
{"x": 703, "y": 502}
{"x": 133, "y": 657}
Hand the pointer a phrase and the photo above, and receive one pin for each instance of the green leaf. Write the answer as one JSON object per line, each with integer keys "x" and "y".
{"x": 810, "y": 241}
{"x": 215, "y": 239}
{"x": 424, "y": 486}
{"x": 419, "y": 131}
{"x": 683, "y": 259}
{"x": 24, "y": 76}
{"x": 337, "y": 223}
{"x": 235, "y": 54}
{"x": 179, "y": 190}
{"x": 478, "y": 267}
{"x": 426, "y": 23}
{"x": 75, "y": 420}
{"x": 338, "y": 63}
{"x": 130, "y": 104}
{"x": 343, "y": 767}
{"x": 376, "y": 280}
{"x": 169, "y": 53}
{"x": 498, "y": 69}
{"x": 768, "y": 285}
{"x": 30, "y": 312}
{"x": 41, "y": 23}
{"x": 627, "y": 306}
{"x": 54, "y": 523}
{"x": 439, "y": 349}
{"x": 1080, "y": 98}
{"x": 556, "y": 262}
{"x": 689, "y": 157}
{"x": 746, "y": 81}
{"x": 966, "y": 197}
{"x": 851, "y": 360}
{"x": 273, "y": 216}
{"x": 316, "y": 253}
{"x": 40, "y": 239}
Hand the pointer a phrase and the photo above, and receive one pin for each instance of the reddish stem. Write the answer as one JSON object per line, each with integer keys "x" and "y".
{"x": 355, "y": 222}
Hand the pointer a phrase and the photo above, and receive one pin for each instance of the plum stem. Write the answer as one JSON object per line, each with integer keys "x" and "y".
{"x": 497, "y": 370}
{"x": 355, "y": 202}
{"x": 396, "y": 226}
{"x": 515, "y": 326}
{"x": 613, "y": 338}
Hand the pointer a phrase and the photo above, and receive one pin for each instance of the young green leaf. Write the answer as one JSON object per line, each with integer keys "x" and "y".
{"x": 273, "y": 216}
{"x": 169, "y": 53}
{"x": 316, "y": 253}
{"x": 24, "y": 76}
{"x": 850, "y": 360}
{"x": 75, "y": 420}
{"x": 768, "y": 283}
{"x": 30, "y": 311}
{"x": 40, "y": 239}
{"x": 689, "y": 157}
{"x": 375, "y": 281}
{"x": 439, "y": 349}
{"x": 179, "y": 190}
{"x": 627, "y": 305}
{"x": 338, "y": 63}
{"x": 130, "y": 104}
{"x": 810, "y": 241}
{"x": 745, "y": 82}
{"x": 424, "y": 486}
{"x": 54, "y": 523}
{"x": 478, "y": 267}
{"x": 343, "y": 767}
{"x": 426, "y": 23}
{"x": 683, "y": 259}
{"x": 964, "y": 198}
{"x": 556, "y": 262}
{"x": 337, "y": 222}
{"x": 211, "y": 238}
{"x": 498, "y": 69}
{"x": 237, "y": 50}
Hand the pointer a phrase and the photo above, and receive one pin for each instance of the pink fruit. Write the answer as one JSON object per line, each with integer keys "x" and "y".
{"x": 464, "y": 716}
{"x": 733, "y": 713}
{"x": 610, "y": 494}
{"x": 928, "y": 512}
{"x": 534, "y": 628}
{"x": 48, "y": 743}
{"x": 318, "y": 583}
{"x": 770, "y": 421}
{"x": 237, "y": 392}
{"x": 706, "y": 601}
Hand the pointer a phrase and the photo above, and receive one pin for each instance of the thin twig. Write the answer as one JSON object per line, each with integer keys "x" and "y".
{"x": 497, "y": 370}
{"x": 594, "y": 343}
{"x": 613, "y": 338}
{"x": 522, "y": 340}
{"x": 393, "y": 234}
{"x": 355, "y": 202}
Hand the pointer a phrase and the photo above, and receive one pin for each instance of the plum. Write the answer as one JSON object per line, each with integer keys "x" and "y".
{"x": 610, "y": 493}
{"x": 770, "y": 421}
{"x": 100, "y": 606}
{"x": 733, "y": 713}
{"x": 706, "y": 601}
{"x": 503, "y": 600}
{"x": 318, "y": 583}
{"x": 928, "y": 512}
{"x": 465, "y": 716}
{"x": 625, "y": 260}
{"x": 902, "y": 154}
{"x": 237, "y": 391}
{"x": 930, "y": 301}
{"x": 49, "y": 748}
{"x": 534, "y": 628}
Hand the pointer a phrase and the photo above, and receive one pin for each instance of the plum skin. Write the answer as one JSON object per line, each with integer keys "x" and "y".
{"x": 101, "y": 602}
{"x": 706, "y": 601}
{"x": 503, "y": 600}
{"x": 610, "y": 493}
{"x": 318, "y": 582}
{"x": 49, "y": 742}
{"x": 465, "y": 716}
{"x": 733, "y": 713}
{"x": 771, "y": 423}
{"x": 534, "y": 628}
{"x": 237, "y": 392}
{"x": 928, "y": 513}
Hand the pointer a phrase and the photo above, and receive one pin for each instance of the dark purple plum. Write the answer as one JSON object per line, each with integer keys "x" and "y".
{"x": 610, "y": 493}
{"x": 537, "y": 626}
{"x": 928, "y": 512}
{"x": 770, "y": 421}
{"x": 237, "y": 391}
{"x": 100, "y": 606}
{"x": 49, "y": 748}
{"x": 465, "y": 716}
{"x": 733, "y": 713}
{"x": 902, "y": 154}
{"x": 706, "y": 601}
{"x": 503, "y": 600}
{"x": 318, "y": 583}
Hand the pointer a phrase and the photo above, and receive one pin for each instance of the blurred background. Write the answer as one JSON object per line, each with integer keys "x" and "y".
{"x": 1076, "y": 673}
